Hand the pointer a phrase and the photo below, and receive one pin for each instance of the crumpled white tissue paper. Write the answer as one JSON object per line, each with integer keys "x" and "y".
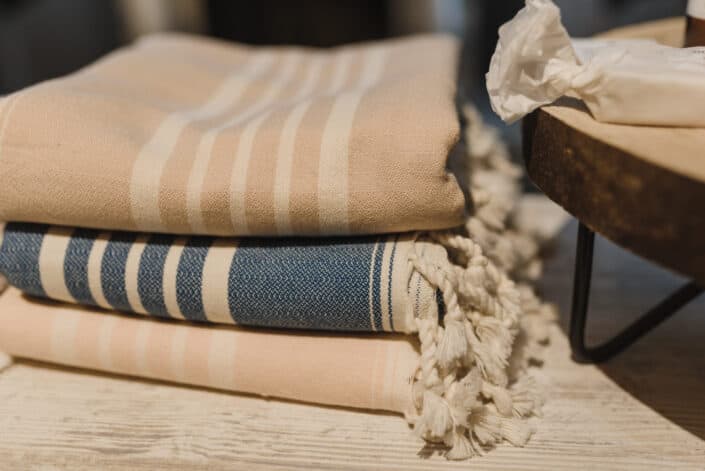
{"x": 627, "y": 81}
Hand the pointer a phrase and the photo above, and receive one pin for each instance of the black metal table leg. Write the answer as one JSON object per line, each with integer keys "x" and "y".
{"x": 581, "y": 292}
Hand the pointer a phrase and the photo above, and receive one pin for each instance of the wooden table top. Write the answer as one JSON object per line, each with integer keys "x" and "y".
{"x": 642, "y": 187}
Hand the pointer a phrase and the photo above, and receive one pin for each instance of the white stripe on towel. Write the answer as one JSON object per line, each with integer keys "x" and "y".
{"x": 52, "y": 255}
{"x": 132, "y": 271}
{"x": 95, "y": 261}
{"x": 285, "y": 153}
{"x": 171, "y": 267}
{"x": 214, "y": 285}
{"x": 205, "y": 146}
{"x": 154, "y": 155}
{"x": 334, "y": 157}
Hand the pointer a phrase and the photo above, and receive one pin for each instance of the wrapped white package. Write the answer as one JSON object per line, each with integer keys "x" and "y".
{"x": 621, "y": 81}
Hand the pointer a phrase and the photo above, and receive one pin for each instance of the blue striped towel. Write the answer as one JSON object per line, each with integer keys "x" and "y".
{"x": 340, "y": 284}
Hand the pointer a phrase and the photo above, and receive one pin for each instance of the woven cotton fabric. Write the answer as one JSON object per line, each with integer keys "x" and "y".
{"x": 362, "y": 284}
{"x": 192, "y": 179}
{"x": 369, "y": 372}
{"x": 187, "y": 135}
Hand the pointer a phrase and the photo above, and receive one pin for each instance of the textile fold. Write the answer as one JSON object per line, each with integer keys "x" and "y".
{"x": 366, "y": 372}
{"x": 463, "y": 382}
{"x": 356, "y": 284}
{"x": 276, "y": 188}
{"x": 187, "y": 135}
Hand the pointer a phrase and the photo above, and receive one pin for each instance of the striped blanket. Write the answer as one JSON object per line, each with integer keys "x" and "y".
{"x": 175, "y": 178}
{"x": 351, "y": 371}
{"x": 352, "y": 284}
{"x": 188, "y": 135}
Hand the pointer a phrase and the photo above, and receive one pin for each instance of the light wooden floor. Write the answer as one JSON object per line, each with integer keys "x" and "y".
{"x": 644, "y": 410}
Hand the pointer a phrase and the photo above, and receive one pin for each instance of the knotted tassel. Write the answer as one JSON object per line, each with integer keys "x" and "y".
{"x": 460, "y": 392}
{"x": 436, "y": 419}
{"x": 516, "y": 431}
{"x": 463, "y": 396}
{"x": 491, "y": 364}
{"x": 486, "y": 426}
{"x": 452, "y": 346}
{"x": 501, "y": 398}
{"x": 462, "y": 448}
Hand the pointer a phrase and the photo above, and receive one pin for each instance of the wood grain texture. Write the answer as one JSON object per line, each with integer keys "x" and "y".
{"x": 644, "y": 410}
{"x": 640, "y": 186}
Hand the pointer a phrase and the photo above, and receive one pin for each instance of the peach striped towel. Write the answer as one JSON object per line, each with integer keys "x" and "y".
{"x": 465, "y": 410}
{"x": 368, "y": 372}
{"x": 190, "y": 135}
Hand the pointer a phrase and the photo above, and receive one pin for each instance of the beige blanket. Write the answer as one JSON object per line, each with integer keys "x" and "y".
{"x": 195, "y": 136}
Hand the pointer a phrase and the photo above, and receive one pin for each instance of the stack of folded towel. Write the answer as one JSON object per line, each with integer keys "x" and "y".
{"x": 205, "y": 184}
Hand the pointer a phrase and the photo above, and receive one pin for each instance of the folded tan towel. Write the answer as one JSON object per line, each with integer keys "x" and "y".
{"x": 189, "y": 135}
{"x": 368, "y": 372}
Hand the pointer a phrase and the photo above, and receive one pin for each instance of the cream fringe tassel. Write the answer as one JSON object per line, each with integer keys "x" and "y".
{"x": 472, "y": 390}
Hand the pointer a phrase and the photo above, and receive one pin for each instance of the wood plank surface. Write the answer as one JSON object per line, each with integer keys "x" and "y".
{"x": 644, "y": 410}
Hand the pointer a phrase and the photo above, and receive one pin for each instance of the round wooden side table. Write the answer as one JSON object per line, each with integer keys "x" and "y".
{"x": 641, "y": 187}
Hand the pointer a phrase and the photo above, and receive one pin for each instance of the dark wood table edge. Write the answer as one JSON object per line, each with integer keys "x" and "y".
{"x": 646, "y": 209}
{"x": 582, "y": 174}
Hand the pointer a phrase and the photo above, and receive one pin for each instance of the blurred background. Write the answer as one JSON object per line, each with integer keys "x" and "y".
{"x": 41, "y": 39}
